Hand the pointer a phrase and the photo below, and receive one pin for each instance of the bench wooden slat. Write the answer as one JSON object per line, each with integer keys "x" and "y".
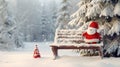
{"x": 74, "y": 47}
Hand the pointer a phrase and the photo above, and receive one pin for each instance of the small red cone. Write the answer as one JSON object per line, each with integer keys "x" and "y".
{"x": 36, "y": 53}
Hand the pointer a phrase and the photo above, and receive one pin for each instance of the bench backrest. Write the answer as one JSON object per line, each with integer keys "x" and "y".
{"x": 68, "y": 36}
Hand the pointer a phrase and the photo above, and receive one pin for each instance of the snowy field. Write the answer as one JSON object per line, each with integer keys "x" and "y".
{"x": 68, "y": 58}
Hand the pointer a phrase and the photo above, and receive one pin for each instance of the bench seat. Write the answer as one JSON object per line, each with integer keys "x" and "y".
{"x": 76, "y": 45}
{"x": 56, "y": 47}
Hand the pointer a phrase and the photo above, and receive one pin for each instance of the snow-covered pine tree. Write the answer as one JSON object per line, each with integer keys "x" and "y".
{"x": 7, "y": 28}
{"x": 63, "y": 15}
{"x": 107, "y": 14}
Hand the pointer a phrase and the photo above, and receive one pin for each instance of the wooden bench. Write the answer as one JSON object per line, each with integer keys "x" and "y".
{"x": 72, "y": 39}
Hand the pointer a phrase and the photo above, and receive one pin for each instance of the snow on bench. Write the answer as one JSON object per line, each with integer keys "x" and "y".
{"x": 72, "y": 39}
{"x": 68, "y": 37}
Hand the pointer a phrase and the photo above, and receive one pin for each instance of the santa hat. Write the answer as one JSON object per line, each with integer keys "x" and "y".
{"x": 94, "y": 24}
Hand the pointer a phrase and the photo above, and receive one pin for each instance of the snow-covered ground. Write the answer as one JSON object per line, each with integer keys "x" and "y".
{"x": 68, "y": 58}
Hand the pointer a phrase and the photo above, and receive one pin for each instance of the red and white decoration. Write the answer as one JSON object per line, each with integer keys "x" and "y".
{"x": 91, "y": 36}
{"x": 36, "y": 53}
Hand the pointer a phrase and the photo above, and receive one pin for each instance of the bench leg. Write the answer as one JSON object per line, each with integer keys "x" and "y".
{"x": 101, "y": 52}
{"x": 55, "y": 52}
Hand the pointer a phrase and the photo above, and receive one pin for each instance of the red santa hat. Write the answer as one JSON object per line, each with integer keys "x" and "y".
{"x": 94, "y": 24}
